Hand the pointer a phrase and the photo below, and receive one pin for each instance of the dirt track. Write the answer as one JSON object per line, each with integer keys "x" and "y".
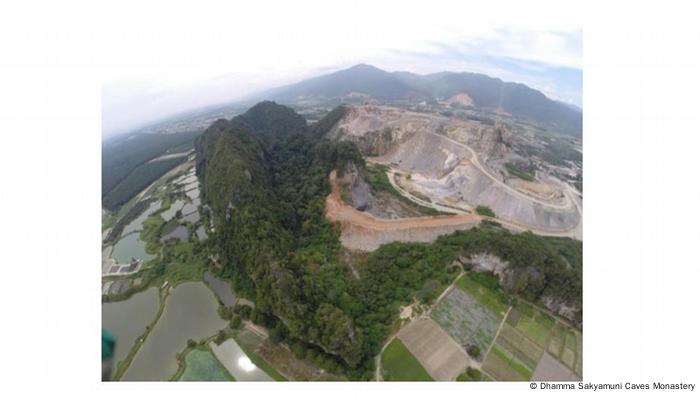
{"x": 363, "y": 231}
{"x": 477, "y": 163}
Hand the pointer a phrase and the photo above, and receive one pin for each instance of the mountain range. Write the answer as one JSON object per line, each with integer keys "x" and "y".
{"x": 484, "y": 92}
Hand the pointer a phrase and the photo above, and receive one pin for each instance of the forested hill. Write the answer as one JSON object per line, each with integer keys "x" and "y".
{"x": 267, "y": 188}
{"x": 266, "y": 183}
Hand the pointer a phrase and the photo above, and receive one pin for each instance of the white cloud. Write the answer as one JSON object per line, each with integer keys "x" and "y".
{"x": 162, "y": 57}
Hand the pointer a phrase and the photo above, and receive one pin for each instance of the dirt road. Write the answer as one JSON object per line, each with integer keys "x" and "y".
{"x": 362, "y": 231}
{"x": 337, "y": 209}
{"x": 477, "y": 163}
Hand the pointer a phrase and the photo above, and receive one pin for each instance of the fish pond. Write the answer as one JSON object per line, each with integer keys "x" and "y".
{"x": 190, "y": 313}
{"x": 128, "y": 319}
{"x": 130, "y": 246}
{"x": 170, "y": 212}
{"x": 237, "y": 362}
{"x": 221, "y": 288}
{"x": 137, "y": 224}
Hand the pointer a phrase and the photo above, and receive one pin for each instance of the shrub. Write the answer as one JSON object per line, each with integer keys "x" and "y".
{"x": 236, "y": 321}
{"x": 484, "y": 210}
{"x": 474, "y": 351}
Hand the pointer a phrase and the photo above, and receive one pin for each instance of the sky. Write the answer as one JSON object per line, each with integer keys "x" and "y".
{"x": 160, "y": 58}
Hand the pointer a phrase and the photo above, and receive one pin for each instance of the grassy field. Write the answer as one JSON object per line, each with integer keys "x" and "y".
{"x": 503, "y": 365}
{"x": 490, "y": 298}
{"x": 514, "y": 355}
{"x": 519, "y": 346}
{"x": 399, "y": 364}
{"x": 202, "y": 366}
{"x": 568, "y": 356}
{"x": 523, "y": 340}
{"x": 537, "y": 327}
{"x": 556, "y": 341}
{"x": 249, "y": 342}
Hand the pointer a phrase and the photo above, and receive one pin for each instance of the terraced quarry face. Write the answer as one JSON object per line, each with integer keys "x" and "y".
{"x": 459, "y": 164}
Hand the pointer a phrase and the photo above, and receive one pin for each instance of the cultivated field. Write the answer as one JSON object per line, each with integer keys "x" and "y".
{"x": 533, "y": 346}
{"x": 398, "y": 364}
{"x": 202, "y": 366}
{"x": 491, "y": 299}
{"x": 468, "y": 321}
{"x": 436, "y": 351}
{"x": 549, "y": 369}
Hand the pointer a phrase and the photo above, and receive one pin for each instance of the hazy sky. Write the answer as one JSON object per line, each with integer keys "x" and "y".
{"x": 161, "y": 58}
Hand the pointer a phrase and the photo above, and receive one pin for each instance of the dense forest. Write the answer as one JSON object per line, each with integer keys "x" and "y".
{"x": 138, "y": 180}
{"x": 265, "y": 176}
{"x": 125, "y": 163}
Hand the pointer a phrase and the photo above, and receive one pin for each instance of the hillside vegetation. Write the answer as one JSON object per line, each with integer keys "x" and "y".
{"x": 125, "y": 163}
{"x": 266, "y": 183}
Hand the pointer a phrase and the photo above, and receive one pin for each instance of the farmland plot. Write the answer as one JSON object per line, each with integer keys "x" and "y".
{"x": 400, "y": 365}
{"x": 436, "y": 351}
{"x": 466, "y": 320}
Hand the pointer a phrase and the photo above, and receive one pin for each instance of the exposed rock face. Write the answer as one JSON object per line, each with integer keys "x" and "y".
{"x": 514, "y": 281}
{"x": 486, "y": 262}
{"x": 461, "y": 99}
{"x": 366, "y": 126}
{"x": 560, "y": 308}
{"x": 490, "y": 141}
{"x": 360, "y": 196}
{"x": 359, "y": 193}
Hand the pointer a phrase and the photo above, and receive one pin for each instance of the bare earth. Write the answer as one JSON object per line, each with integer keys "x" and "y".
{"x": 551, "y": 370}
{"x": 439, "y": 354}
{"x": 452, "y": 165}
{"x": 360, "y": 230}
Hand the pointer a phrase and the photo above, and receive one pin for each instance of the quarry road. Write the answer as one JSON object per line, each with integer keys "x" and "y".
{"x": 338, "y": 210}
{"x": 574, "y": 232}
{"x": 475, "y": 160}
{"x": 439, "y": 207}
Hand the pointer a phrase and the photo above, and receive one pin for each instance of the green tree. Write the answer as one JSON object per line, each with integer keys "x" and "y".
{"x": 236, "y": 321}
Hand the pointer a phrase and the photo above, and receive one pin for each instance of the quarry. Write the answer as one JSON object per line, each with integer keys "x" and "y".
{"x": 453, "y": 165}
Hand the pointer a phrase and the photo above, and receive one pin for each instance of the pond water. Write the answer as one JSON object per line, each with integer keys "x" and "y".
{"x": 193, "y": 194}
{"x": 189, "y": 179}
{"x": 174, "y": 207}
{"x": 137, "y": 224}
{"x": 190, "y": 208}
{"x": 237, "y": 363}
{"x": 192, "y": 218}
{"x": 190, "y": 313}
{"x": 130, "y": 246}
{"x": 201, "y": 233}
{"x": 180, "y": 232}
{"x": 128, "y": 319}
{"x": 221, "y": 288}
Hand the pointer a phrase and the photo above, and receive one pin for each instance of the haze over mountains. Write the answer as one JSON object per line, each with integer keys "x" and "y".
{"x": 483, "y": 91}
{"x": 364, "y": 82}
